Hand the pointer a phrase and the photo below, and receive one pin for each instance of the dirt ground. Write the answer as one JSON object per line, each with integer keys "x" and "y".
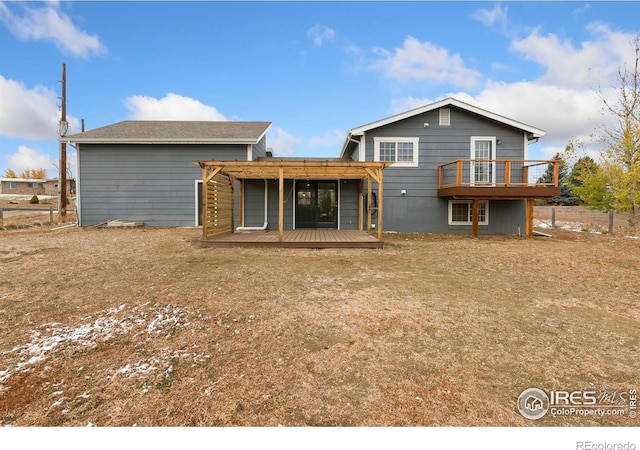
{"x": 123, "y": 327}
{"x": 33, "y": 215}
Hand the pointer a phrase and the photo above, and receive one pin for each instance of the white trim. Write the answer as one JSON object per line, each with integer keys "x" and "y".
{"x": 197, "y": 182}
{"x": 130, "y": 140}
{"x": 249, "y": 152}
{"x": 413, "y": 140}
{"x": 362, "y": 148}
{"x": 338, "y": 199}
{"x": 526, "y": 147}
{"x": 78, "y": 197}
{"x": 470, "y": 203}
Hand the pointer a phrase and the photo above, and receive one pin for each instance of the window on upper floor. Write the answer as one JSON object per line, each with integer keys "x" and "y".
{"x": 401, "y": 151}
{"x": 460, "y": 212}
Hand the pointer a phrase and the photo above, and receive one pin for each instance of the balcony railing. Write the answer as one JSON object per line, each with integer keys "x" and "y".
{"x": 499, "y": 178}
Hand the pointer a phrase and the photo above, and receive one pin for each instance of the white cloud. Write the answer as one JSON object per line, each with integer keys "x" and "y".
{"x": 320, "y": 33}
{"x": 170, "y": 107}
{"x": 282, "y": 142}
{"x": 28, "y": 158}
{"x": 330, "y": 139}
{"x": 424, "y": 61}
{"x": 50, "y": 24}
{"x": 564, "y": 114}
{"x": 29, "y": 113}
{"x": 498, "y": 15}
{"x": 577, "y": 67}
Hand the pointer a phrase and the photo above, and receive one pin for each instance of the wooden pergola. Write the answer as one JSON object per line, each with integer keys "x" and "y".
{"x": 218, "y": 179}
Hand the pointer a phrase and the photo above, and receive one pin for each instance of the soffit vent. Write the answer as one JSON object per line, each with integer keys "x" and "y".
{"x": 445, "y": 117}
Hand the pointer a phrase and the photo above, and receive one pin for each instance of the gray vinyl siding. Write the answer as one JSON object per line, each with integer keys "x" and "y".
{"x": 254, "y": 203}
{"x": 420, "y": 210}
{"x": 259, "y": 150}
{"x": 349, "y": 204}
{"x": 289, "y": 200}
{"x": 154, "y": 184}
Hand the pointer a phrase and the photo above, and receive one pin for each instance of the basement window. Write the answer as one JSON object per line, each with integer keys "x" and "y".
{"x": 460, "y": 212}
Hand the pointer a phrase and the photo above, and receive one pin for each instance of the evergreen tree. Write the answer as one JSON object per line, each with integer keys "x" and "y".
{"x": 566, "y": 197}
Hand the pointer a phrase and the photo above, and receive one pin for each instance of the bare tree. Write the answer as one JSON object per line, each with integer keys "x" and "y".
{"x": 621, "y": 153}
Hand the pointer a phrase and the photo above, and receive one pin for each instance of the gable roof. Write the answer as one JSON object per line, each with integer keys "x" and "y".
{"x": 173, "y": 132}
{"x": 359, "y": 131}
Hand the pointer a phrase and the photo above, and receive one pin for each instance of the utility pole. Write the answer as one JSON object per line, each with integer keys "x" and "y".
{"x": 62, "y": 132}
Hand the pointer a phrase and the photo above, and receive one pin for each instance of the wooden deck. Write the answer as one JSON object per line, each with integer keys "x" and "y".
{"x": 302, "y": 238}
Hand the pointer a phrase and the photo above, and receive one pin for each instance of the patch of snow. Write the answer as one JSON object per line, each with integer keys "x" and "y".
{"x": 58, "y": 403}
{"x": 102, "y": 326}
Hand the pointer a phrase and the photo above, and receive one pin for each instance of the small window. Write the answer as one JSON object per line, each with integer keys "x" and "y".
{"x": 401, "y": 151}
{"x": 460, "y": 212}
{"x": 445, "y": 117}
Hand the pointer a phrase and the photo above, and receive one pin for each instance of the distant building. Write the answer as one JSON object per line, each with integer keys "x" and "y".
{"x": 22, "y": 186}
{"x": 34, "y": 186}
{"x": 51, "y": 187}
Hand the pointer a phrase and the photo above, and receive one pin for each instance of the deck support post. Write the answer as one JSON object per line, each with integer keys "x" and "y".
{"x": 280, "y": 203}
{"x": 474, "y": 217}
{"x": 529, "y": 219}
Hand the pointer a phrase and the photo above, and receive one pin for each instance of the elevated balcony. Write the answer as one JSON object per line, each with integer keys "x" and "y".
{"x": 498, "y": 179}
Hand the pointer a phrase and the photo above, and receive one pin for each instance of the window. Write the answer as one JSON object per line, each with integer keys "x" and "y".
{"x": 483, "y": 152}
{"x": 401, "y": 151}
{"x": 11, "y": 184}
{"x": 33, "y": 185}
{"x": 460, "y": 212}
{"x": 445, "y": 117}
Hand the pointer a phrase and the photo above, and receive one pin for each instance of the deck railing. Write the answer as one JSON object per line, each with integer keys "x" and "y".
{"x": 498, "y": 173}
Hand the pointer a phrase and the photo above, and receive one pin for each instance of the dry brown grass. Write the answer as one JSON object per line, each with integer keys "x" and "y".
{"x": 144, "y": 327}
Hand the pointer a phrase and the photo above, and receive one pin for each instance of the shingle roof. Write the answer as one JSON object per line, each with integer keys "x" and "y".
{"x": 175, "y": 132}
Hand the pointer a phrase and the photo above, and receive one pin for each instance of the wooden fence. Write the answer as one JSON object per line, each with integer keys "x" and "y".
{"x": 2, "y": 211}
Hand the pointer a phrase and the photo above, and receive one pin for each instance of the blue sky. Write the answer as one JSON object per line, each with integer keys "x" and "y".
{"x": 314, "y": 69}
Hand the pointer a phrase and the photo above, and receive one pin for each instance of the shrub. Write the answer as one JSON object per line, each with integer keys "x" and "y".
{"x": 34, "y": 200}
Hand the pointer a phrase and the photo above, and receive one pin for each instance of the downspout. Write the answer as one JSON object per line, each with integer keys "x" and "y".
{"x": 263, "y": 227}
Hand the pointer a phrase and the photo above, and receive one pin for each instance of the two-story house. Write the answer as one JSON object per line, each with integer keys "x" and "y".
{"x": 449, "y": 167}
{"x": 447, "y": 157}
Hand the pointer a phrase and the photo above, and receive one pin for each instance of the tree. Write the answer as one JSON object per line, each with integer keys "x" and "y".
{"x": 566, "y": 197}
{"x": 39, "y": 174}
{"x": 616, "y": 184}
{"x": 9, "y": 173}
